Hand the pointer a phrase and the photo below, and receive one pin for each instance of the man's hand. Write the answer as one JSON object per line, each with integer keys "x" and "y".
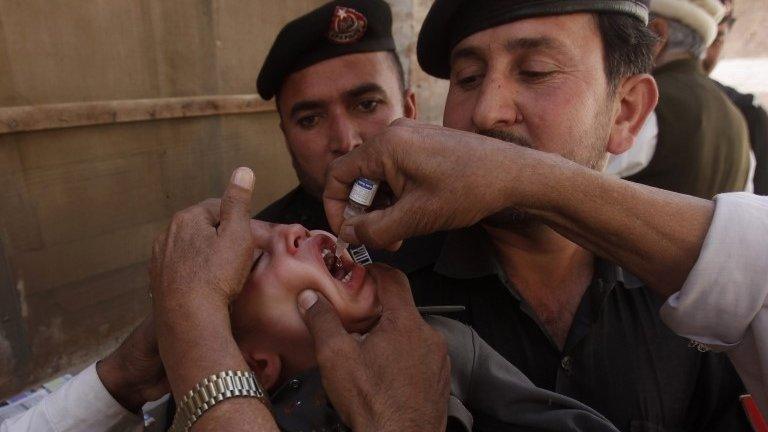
{"x": 395, "y": 378}
{"x": 133, "y": 373}
{"x": 207, "y": 250}
{"x": 198, "y": 266}
{"x": 442, "y": 179}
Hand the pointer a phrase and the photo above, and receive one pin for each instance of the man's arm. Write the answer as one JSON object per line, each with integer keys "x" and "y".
{"x": 653, "y": 233}
{"x": 107, "y": 396}
{"x": 198, "y": 266}
{"x": 446, "y": 179}
{"x": 83, "y": 403}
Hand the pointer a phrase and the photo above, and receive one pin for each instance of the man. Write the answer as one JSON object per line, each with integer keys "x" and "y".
{"x": 699, "y": 144}
{"x": 706, "y": 258}
{"x": 754, "y": 114}
{"x": 570, "y": 321}
{"x": 337, "y": 81}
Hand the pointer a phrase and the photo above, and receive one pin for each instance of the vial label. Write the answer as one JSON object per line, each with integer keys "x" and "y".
{"x": 363, "y": 191}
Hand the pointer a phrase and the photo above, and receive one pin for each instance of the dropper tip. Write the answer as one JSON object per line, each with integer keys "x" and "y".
{"x": 341, "y": 246}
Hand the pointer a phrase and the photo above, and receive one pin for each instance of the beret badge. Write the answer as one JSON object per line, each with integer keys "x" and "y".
{"x": 347, "y": 26}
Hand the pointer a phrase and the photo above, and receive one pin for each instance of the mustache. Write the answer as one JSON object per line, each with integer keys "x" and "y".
{"x": 507, "y": 136}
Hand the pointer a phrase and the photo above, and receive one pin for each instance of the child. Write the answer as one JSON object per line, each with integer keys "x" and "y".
{"x": 487, "y": 392}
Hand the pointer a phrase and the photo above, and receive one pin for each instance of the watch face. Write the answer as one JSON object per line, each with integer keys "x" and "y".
{"x": 302, "y": 405}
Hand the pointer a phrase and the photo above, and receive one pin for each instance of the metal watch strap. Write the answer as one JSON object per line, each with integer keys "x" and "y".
{"x": 212, "y": 390}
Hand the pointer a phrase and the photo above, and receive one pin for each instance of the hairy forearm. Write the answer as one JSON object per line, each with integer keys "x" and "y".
{"x": 655, "y": 234}
{"x": 195, "y": 342}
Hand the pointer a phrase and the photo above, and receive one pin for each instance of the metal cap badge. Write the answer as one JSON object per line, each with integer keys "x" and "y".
{"x": 347, "y": 26}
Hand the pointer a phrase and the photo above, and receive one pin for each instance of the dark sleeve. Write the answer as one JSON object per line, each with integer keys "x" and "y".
{"x": 500, "y": 397}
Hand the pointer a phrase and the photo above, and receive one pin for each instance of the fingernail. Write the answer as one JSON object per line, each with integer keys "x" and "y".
{"x": 243, "y": 177}
{"x": 348, "y": 234}
{"x": 307, "y": 299}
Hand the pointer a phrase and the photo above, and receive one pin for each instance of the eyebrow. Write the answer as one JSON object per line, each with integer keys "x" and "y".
{"x": 306, "y": 105}
{"x": 472, "y": 52}
{"x": 362, "y": 89}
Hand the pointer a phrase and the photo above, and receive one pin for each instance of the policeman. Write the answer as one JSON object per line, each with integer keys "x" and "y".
{"x": 527, "y": 78}
{"x": 337, "y": 81}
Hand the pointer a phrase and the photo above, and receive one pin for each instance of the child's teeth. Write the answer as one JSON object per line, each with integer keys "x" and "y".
{"x": 347, "y": 278}
{"x": 325, "y": 252}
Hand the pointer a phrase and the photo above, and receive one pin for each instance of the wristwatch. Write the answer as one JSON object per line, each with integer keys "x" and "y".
{"x": 212, "y": 390}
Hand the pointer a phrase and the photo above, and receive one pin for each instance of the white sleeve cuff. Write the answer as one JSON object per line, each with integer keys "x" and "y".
{"x": 728, "y": 286}
{"x": 84, "y": 404}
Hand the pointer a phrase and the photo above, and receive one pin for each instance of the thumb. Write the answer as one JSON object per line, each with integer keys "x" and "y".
{"x": 236, "y": 202}
{"x": 381, "y": 229}
{"x": 321, "y": 319}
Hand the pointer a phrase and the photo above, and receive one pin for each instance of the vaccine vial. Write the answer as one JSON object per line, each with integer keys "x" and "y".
{"x": 360, "y": 198}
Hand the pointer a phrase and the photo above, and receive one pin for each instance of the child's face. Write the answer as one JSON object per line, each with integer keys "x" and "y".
{"x": 265, "y": 316}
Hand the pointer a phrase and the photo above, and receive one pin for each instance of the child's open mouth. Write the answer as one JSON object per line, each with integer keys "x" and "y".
{"x": 340, "y": 268}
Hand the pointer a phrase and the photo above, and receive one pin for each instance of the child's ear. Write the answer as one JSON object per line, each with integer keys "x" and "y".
{"x": 266, "y": 366}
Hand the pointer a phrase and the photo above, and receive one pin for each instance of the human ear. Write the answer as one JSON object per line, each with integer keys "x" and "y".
{"x": 266, "y": 365}
{"x": 409, "y": 105}
{"x": 637, "y": 97}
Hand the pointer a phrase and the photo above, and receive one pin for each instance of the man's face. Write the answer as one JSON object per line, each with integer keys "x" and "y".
{"x": 265, "y": 314}
{"x": 537, "y": 82}
{"x": 330, "y": 108}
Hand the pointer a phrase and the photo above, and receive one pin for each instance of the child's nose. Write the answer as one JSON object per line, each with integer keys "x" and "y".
{"x": 294, "y": 235}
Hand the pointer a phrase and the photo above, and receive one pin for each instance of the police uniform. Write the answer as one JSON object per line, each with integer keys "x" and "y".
{"x": 487, "y": 394}
{"x": 618, "y": 357}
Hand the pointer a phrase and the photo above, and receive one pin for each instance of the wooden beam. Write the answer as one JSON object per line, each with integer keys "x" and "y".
{"x": 56, "y": 116}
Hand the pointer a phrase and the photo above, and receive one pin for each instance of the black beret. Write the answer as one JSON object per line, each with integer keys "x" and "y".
{"x": 335, "y": 29}
{"x": 450, "y": 21}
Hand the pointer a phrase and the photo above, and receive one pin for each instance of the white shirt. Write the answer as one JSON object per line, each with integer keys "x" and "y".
{"x": 724, "y": 302}
{"x": 82, "y": 404}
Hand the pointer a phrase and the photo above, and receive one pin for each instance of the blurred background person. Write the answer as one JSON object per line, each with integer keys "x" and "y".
{"x": 696, "y": 142}
{"x": 754, "y": 114}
